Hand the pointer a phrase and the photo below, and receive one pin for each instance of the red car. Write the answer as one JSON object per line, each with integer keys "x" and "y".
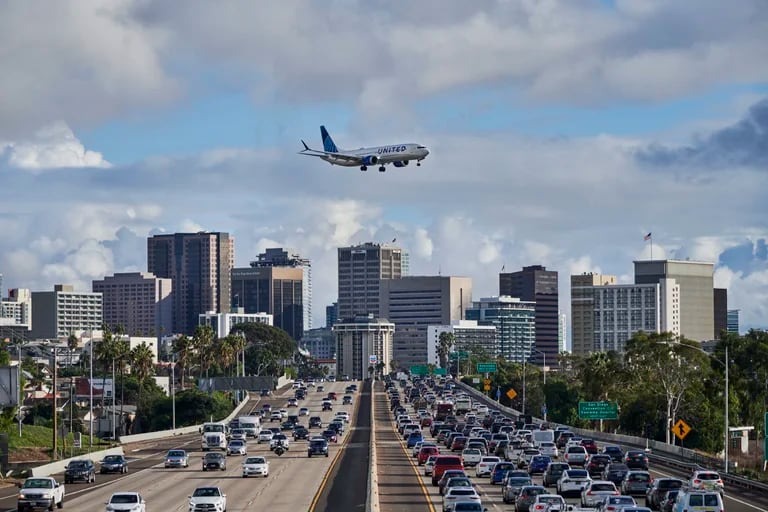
{"x": 443, "y": 463}
{"x": 332, "y": 396}
{"x": 589, "y": 445}
{"x": 425, "y": 452}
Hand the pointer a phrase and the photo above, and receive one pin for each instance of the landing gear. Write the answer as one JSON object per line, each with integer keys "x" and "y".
{"x": 382, "y": 169}
{"x": 418, "y": 164}
{"x": 363, "y": 167}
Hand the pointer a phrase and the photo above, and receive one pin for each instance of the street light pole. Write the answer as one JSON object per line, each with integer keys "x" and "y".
{"x": 727, "y": 433}
{"x": 173, "y": 393}
{"x": 113, "y": 400}
{"x": 90, "y": 388}
{"x": 18, "y": 385}
{"x": 524, "y": 358}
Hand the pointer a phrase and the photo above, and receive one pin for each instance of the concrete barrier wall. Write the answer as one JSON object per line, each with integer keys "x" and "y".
{"x": 59, "y": 465}
{"x": 283, "y": 381}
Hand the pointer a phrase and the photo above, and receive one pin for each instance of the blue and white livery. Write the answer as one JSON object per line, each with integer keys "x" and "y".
{"x": 397, "y": 154}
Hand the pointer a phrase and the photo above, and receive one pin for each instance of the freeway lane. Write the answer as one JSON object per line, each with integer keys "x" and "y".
{"x": 168, "y": 489}
{"x": 349, "y": 487}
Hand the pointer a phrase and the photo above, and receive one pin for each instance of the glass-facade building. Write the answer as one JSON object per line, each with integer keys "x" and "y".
{"x": 515, "y": 322}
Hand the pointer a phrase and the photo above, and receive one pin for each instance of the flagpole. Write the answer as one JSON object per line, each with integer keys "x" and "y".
{"x": 651, "y": 239}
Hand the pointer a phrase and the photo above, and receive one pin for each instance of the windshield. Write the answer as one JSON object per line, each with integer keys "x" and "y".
{"x": 213, "y": 428}
{"x": 255, "y": 460}
{"x": 124, "y": 498}
{"x": 77, "y": 464}
{"x": 206, "y": 492}
{"x": 176, "y": 453}
{"x": 38, "y": 483}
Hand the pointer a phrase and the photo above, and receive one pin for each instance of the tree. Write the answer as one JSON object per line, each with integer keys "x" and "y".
{"x": 380, "y": 368}
{"x": 142, "y": 367}
{"x": 267, "y": 348}
{"x": 202, "y": 340}
{"x": 182, "y": 348}
{"x": 105, "y": 352}
{"x": 445, "y": 344}
{"x": 72, "y": 343}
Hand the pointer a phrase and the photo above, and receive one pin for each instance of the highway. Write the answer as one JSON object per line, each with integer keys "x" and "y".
{"x": 403, "y": 486}
{"x": 292, "y": 485}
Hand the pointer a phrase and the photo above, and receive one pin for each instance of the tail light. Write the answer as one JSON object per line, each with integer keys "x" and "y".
{"x": 695, "y": 482}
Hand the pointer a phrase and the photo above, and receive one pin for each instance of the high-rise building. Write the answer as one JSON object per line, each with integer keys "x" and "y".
{"x": 537, "y": 284}
{"x": 720, "y": 311}
{"x": 331, "y": 314}
{"x": 64, "y": 311}
{"x": 695, "y": 279}
{"x": 362, "y": 342}
{"x": 733, "y": 321}
{"x": 413, "y": 303}
{"x": 562, "y": 333}
{"x": 468, "y": 334}
{"x": 320, "y": 343}
{"x": 16, "y": 315}
{"x": 515, "y": 322}
{"x": 222, "y": 323}
{"x": 139, "y": 302}
{"x": 280, "y": 257}
{"x": 362, "y": 269}
{"x": 582, "y": 309}
{"x": 277, "y": 291}
{"x": 200, "y": 265}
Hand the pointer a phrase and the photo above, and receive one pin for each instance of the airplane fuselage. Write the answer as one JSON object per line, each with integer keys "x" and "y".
{"x": 380, "y": 155}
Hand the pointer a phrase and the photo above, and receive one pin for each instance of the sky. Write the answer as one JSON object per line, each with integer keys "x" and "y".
{"x": 561, "y": 132}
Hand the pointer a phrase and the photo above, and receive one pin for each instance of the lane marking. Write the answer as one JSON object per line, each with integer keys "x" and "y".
{"x": 415, "y": 468}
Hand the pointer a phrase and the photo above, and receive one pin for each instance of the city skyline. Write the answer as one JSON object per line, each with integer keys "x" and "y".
{"x": 561, "y": 134}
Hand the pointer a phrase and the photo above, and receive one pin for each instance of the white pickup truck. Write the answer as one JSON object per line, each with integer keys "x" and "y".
{"x": 40, "y": 493}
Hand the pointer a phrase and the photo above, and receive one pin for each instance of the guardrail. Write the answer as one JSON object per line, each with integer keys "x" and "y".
{"x": 673, "y": 456}
{"x": 372, "y": 502}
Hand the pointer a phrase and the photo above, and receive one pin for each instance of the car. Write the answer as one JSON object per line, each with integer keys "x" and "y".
{"x": 303, "y": 411}
{"x": 276, "y": 416}
{"x": 237, "y": 447}
{"x": 214, "y": 460}
{"x": 113, "y": 464}
{"x": 614, "y": 452}
{"x": 616, "y": 503}
{"x": 590, "y": 445}
{"x": 202, "y": 498}
{"x": 429, "y": 465}
{"x": 538, "y": 464}
{"x": 256, "y": 466}
{"x": 346, "y": 400}
{"x": 287, "y": 425}
{"x": 636, "y": 459}
{"x": 292, "y": 402}
{"x": 658, "y": 489}
{"x": 320, "y": 389}
{"x": 553, "y": 472}
{"x": 615, "y": 472}
{"x": 342, "y": 415}
{"x": 176, "y": 459}
{"x": 549, "y": 449}
{"x": 526, "y": 496}
{"x": 548, "y": 502}
{"x": 463, "y": 494}
{"x": 667, "y": 503}
{"x": 265, "y": 392}
{"x": 706, "y": 480}
{"x": 468, "y": 506}
{"x": 238, "y": 433}
{"x": 698, "y": 500}
{"x": 80, "y": 469}
{"x": 576, "y": 455}
{"x": 636, "y": 482}
{"x": 500, "y": 470}
{"x": 281, "y": 439}
{"x": 332, "y": 395}
{"x": 485, "y": 466}
{"x": 315, "y": 422}
{"x": 571, "y": 481}
{"x": 300, "y": 432}
{"x": 265, "y": 436}
{"x": 471, "y": 456}
{"x": 597, "y": 464}
{"x": 317, "y": 446}
{"x": 448, "y": 475}
{"x": 594, "y": 491}
{"x": 331, "y": 436}
{"x": 456, "y": 481}
{"x": 327, "y": 405}
{"x": 126, "y": 501}
{"x": 512, "y": 486}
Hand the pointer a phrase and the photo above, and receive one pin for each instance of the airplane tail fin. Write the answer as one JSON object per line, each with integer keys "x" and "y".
{"x": 328, "y": 143}
{"x": 306, "y": 148}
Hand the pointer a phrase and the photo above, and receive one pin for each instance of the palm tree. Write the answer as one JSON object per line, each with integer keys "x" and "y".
{"x": 122, "y": 356}
{"x": 444, "y": 347}
{"x": 182, "y": 349}
{"x": 238, "y": 345}
{"x": 203, "y": 343}
{"x": 72, "y": 343}
{"x": 142, "y": 366}
{"x": 105, "y": 353}
{"x": 225, "y": 352}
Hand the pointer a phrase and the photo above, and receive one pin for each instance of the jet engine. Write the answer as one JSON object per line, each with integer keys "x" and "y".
{"x": 401, "y": 164}
{"x": 370, "y": 160}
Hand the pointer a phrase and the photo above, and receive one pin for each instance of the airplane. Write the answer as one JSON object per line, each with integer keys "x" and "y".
{"x": 398, "y": 154}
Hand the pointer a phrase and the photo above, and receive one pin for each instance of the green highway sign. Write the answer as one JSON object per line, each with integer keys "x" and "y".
{"x": 420, "y": 369}
{"x": 598, "y": 410}
{"x": 441, "y": 371}
{"x": 458, "y": 355}
{"x": 486, "y": 367}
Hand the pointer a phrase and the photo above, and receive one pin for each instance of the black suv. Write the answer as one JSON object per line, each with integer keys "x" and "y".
{"x": 317, "y": 447}
{"x": 315, "y": 422}
{"x": 81, "y": 469}
{"x": 300, "y": 433}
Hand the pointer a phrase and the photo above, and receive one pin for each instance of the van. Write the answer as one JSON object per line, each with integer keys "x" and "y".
{"x": 699, "y": 501}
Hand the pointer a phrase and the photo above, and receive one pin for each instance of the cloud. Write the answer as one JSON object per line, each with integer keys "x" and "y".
{"x": 52, "y": 147}
{"x": 743, "y": 144}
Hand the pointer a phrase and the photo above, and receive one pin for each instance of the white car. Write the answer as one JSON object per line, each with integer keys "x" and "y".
{"x": 258, "y": 466}
{"x": 283, "y": 413}
{"x": 265, "y": 436}
{"x": 126, "y": 501}
{"x": 571, "y": 481}
{"x": 595, "y": 491}
{"x": 343, "y": 415}
{"x": 237, "y": 433}
{"x": 463, "y": 494}
{"x": 485, "y": 466}
{"x": 549, "y": 449}
{"x": 208, "y": 496}
{"x": 550, "y": 502}
{"x": 303, "y": 411}
{"x": 471, "y": 456}
{"x": 279, "y": 437}
{"x": 237, "y": 447}
{"x": 707, "y": 481}
{"x": 429, "y": 465}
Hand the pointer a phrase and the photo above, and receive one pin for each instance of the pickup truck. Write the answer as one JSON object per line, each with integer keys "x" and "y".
{"x": 40, "y": 492}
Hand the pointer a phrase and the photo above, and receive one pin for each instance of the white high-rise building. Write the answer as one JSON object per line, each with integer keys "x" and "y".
{"x": 222, "y": 323}
{"x": 362, "y": 342}
{"x": 64, "y": 311}
{"x": 467, "y": 334}
{"x": 562, "y": 333}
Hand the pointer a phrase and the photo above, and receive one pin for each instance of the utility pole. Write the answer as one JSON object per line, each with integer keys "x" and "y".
{"x": 55, "y": 414}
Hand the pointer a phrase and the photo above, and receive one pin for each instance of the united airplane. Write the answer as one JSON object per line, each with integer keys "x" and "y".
{"x": 398, "y": 154}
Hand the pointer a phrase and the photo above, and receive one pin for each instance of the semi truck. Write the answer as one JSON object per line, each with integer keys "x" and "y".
{"x": 214, "y": 436}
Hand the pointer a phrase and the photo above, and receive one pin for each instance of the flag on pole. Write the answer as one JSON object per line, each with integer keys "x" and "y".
{"x": 647, "y": 237}
{"x": 394, "y": 240}
{"x": 502, "y": 268}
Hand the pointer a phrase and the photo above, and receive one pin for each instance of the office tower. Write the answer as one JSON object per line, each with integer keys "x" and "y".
{"x": 139, "y": 302}
{"x": 64, "y": 311}
{"x": 733, "y": 321}
{"x": 362, "y": 270}
{"x": 279, "y": 257}
{"x": 277, "y": 291}
{"x": 362, "y": 342}
{"x": 320, "y": 343}
{"x": 621, "y": 310}
{"x": 720, "y": 311}
{"x": 16, "y": 315}
{"x": 468, "y": 335}
{"x": 331, "y": 314}
{"x": 515, "y": 322}
{"x": 200, "y": 265}
{"x": 562, "y": 332}
{"x": 582, "y": 310}
{"x": 222, "y": 323}
{"x": 537, "y": 284}
{"x": 696, "y": 292}
{"x": 415, "y": 302}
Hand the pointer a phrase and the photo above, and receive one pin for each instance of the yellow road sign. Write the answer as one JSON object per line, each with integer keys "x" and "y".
{"x": 487, "y": 387}
{"x": 511, "y": 394}
{"x": 681, "y": 429}
{"x": 487, "y": 382}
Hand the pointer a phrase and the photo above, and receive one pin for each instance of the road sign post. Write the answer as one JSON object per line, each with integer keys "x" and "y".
{"x": 486, "y": 368}
{"x": 420, "y": 369}
{"x": 598, "y": 410}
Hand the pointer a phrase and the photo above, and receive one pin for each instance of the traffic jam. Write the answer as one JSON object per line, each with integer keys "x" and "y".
{"x": 472, "y": 458}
